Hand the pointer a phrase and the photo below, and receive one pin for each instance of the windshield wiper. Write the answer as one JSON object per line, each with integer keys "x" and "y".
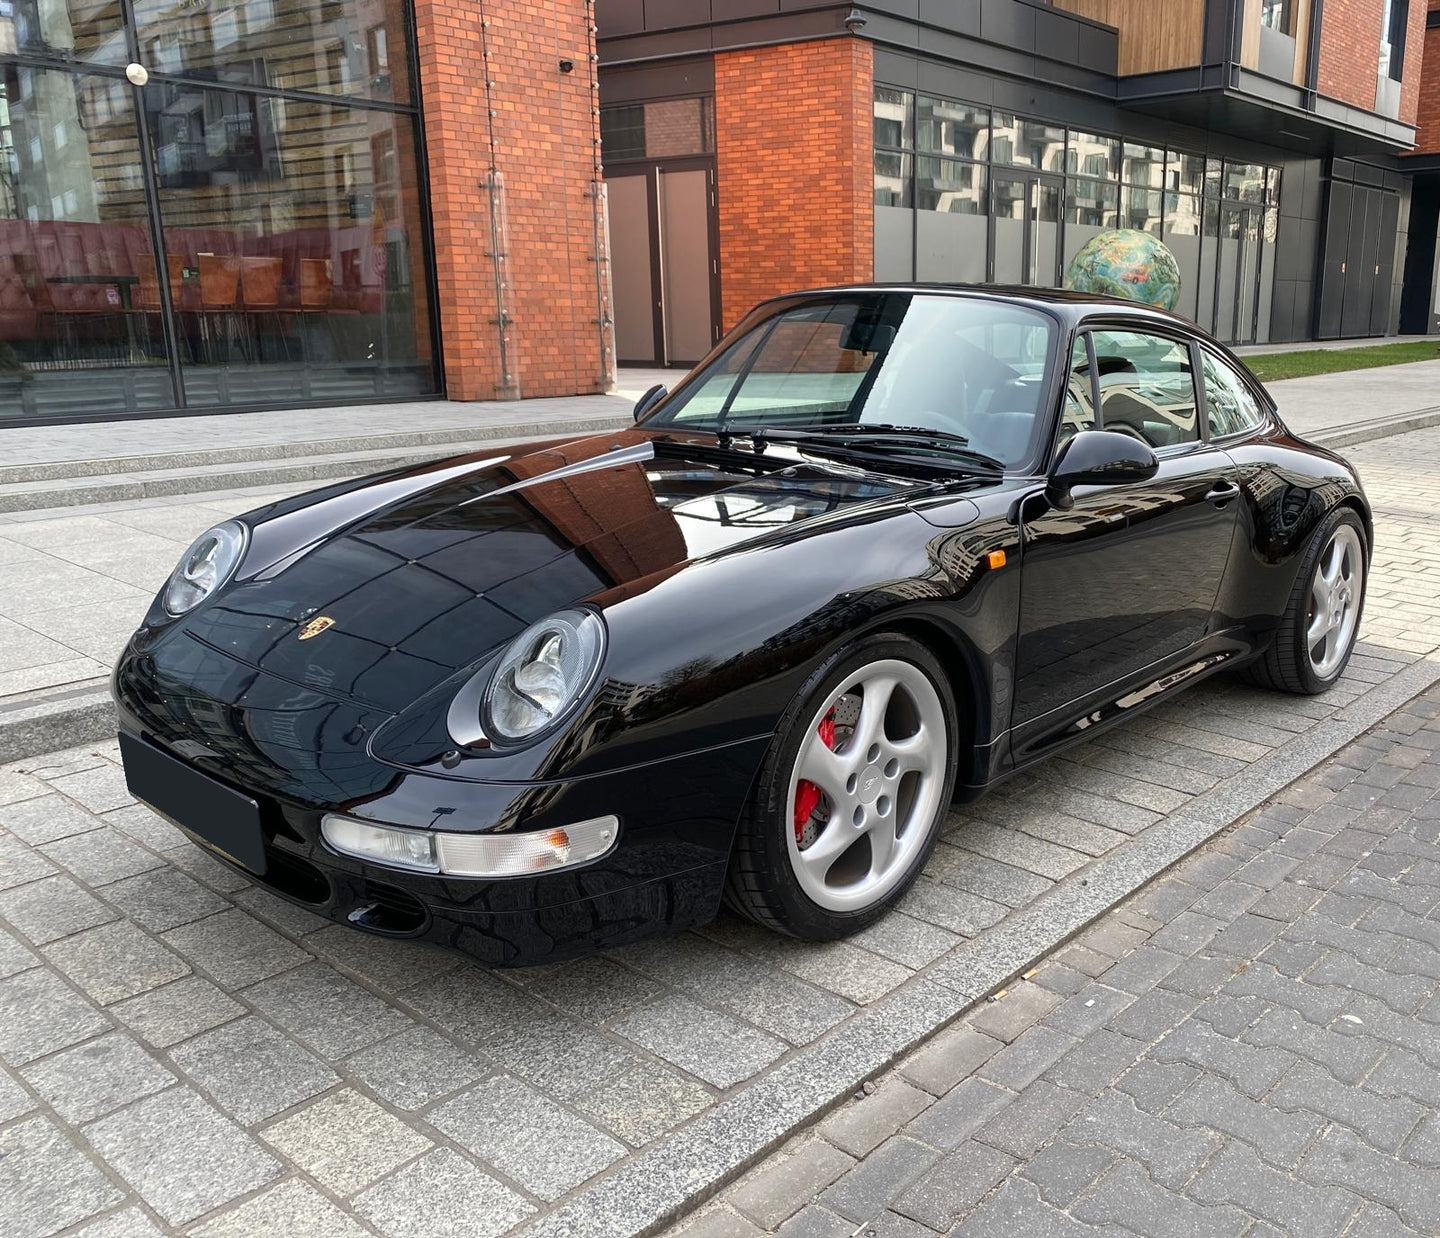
{"x": 954, "y": 446}
{"x": 863, "y": 446}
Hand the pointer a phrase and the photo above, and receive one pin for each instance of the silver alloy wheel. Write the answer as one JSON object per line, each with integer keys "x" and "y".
{"x": 1334, "y": 601}
{"x": 878, "y": 787}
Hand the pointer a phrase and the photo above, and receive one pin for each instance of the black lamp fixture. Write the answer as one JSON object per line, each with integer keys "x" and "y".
{"x": 567, "y": 66}
{"x": 855, "y": 21}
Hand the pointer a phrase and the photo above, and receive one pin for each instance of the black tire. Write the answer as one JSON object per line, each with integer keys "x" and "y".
{"x": 761, "y": 884}
{"x": 1285, "y": 666}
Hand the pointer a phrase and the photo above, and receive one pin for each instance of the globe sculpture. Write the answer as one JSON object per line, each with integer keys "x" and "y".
{"x": 1126, "y": 263}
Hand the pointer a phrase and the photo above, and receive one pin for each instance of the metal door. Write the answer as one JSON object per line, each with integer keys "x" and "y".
{"x": 663, "y": 265}
{"x": 1361, "y": 257}
{"x": 1385, "y": 265}
{"x": 1332, "y": 283}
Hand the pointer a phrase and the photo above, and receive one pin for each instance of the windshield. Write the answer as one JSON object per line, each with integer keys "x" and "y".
{"x": 967, "y": 367}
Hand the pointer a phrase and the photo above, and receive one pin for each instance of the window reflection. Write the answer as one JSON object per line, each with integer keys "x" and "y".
{"x": 290, "y": 233}
{"x": 75, "y": 252}
{"x": 661, "y": 129}
{"x": 74, "y": 29}
{"x": 333, "y": 47}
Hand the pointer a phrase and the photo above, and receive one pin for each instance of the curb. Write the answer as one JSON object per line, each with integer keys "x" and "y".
{"x": 1378, "y": 427}
{"x": 692, "y": 1165}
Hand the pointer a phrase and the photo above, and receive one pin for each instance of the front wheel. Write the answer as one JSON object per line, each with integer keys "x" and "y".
{"x": 1317, "y": 633}
{"x": 852, "y": 794}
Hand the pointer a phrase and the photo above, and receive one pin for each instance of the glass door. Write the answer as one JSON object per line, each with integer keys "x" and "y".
{"x": 1025, "y": 246}
{"x": 1237, "y": 277}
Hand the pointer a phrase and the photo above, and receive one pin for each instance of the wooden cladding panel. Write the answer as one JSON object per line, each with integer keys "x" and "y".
{"x": 1154, "y": 34}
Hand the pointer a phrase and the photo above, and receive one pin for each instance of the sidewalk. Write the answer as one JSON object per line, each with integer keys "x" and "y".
{"x": 1248, "y": 1046}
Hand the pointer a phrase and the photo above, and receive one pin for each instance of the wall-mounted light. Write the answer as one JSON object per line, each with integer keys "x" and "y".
{"x": 567, "y": 66}
{"x": 855, "y": 21}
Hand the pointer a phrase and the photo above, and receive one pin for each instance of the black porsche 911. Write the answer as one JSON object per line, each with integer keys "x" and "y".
{"x": 882, "y": 547}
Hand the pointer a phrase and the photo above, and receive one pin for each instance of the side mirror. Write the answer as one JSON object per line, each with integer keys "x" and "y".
{"x": 1098, "y": 458}
{"x": 650, "y": 399}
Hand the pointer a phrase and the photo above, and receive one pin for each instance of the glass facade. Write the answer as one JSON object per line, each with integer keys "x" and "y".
{"x": 244, "y": 229}
{"x": 964, "y": 194}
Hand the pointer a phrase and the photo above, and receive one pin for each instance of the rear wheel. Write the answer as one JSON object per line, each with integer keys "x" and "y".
{"x": 852, "y": 794}
{"x": 1317, "y": 633}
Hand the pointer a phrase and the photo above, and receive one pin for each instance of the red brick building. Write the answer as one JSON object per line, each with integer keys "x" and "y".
{"x": 367, "y": 200}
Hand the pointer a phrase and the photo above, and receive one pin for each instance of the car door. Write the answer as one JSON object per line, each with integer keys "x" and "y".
{"x": 1120, "y": 588}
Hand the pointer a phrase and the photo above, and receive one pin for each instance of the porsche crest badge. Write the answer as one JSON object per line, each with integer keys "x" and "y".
{"x": 317, "y": 625}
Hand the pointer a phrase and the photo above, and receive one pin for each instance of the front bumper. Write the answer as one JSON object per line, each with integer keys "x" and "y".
{"x": 291, "y": 754}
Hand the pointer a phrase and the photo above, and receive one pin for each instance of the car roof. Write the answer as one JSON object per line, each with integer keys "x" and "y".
{"x": 1071, "y": 307}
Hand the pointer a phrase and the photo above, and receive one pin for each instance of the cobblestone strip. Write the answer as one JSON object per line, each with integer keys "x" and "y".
{"x": 1248, "y": 1046}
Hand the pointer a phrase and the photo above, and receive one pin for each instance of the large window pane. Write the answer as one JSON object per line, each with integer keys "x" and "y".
{"x": 293, "y": 227}
{"x": 950, "y": 185}
{"x": 1090, "y": 154}
{"x": 1091, "y": 203}
{"x": 893, "y": 117}
{"x": 1245, "y": 181}
{"x": 1027, "y": 143}
{"x": 339, "y": 47}
{"x": 1144, "y": 165}
{"x": 664, "y": 129}
{"x": 79, "y": 304}
{"x": 1141, "y": 209}
{"x": 892, "y": 179}
{"x": 947, "y": 128}
{"x": 74, "y": 29}
{"x": 1185, "y": 173}
{"x": 1182, "y": 234}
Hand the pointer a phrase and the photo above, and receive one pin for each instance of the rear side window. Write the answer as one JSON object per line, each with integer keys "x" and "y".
{"x": 1229, "y": 406}
{"x": 1147, "y": 387}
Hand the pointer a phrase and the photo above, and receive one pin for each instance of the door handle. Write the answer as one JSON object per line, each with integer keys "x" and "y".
{"x": 1222, "y": 492}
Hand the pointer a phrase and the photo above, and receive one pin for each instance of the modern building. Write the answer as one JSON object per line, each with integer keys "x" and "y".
{"x": 989, "y": 139}
{"x": 227, "y": 204}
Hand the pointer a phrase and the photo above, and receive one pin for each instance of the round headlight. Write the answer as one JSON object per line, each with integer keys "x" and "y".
{"x": 544, "y": 672}
{"x": 207, "y": 565}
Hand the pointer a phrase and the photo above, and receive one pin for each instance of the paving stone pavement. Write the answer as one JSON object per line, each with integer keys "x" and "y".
{"x": 183, "y": 1052}
{"x": 1248, "y": 1046}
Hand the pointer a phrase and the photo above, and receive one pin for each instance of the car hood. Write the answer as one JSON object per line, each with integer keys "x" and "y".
{"x": 428, "y": 584}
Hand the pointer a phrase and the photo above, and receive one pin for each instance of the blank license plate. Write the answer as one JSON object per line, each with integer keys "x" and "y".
{"x": 219, "y": 816}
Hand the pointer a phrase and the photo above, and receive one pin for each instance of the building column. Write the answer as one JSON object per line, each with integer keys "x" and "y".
{"x": 794, "y": 168}
{"x": 513, "y": 145}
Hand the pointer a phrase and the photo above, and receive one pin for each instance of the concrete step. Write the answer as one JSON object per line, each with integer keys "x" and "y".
{"x": 143, "y": 477}
{"x": 1376, "y": 427}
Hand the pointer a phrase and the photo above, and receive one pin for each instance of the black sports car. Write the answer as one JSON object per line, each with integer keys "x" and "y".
{"x": 883, "y": 546}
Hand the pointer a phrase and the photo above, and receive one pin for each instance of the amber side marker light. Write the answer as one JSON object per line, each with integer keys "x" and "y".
{"x": 996, "y": 559}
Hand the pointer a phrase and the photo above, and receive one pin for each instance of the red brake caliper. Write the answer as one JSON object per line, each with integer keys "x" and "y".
{"x": 807, "y": 794}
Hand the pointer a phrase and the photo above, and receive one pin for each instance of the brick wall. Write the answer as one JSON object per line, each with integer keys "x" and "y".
{"x": 1350, "y": 53}
{"x": 793, "y": 168}
{"x": 546, "y": 136}
{"x": 1427, "y": 114}
{"x": 1415, "y": 47}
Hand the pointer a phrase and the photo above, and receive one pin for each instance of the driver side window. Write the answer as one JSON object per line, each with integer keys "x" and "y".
{"x": 1147, "y": 387}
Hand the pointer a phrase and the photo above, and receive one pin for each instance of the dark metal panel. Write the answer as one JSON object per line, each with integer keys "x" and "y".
{"x": 664, "y": 14}
{"x": 1332, "y": 269}
{"x": 614, "y": 17}
{"x": 961, "y": 16}
{"x": 1008, "y": 23}
{"x": 1386, "y": 239}
{"x": 724, "y": 9}
{"x": 1057, "y": 37}
{"x": 674, "y": 78}
{"x": 898, "y": 69}
{"x": 1098, "y": 49}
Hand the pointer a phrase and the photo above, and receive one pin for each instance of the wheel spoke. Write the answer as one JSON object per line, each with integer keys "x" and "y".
{"x": 826, "y": 769}
{"x": 1332, "y": 639}
{"x": 1313, "y": 634}
{"x": 834, "y": 841}
{"x": 912, "y": 753}
{"x": 870, "y": 727}
{"x": 1330, "y": 565}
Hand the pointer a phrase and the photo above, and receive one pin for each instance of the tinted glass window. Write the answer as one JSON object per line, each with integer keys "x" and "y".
{"x": 1147, "y": 388}
{"x": 971, "y": 367}
{"x": 1229, "y": 406}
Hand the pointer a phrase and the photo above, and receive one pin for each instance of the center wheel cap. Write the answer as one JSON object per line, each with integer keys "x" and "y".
{"x": 871, "y": 783}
